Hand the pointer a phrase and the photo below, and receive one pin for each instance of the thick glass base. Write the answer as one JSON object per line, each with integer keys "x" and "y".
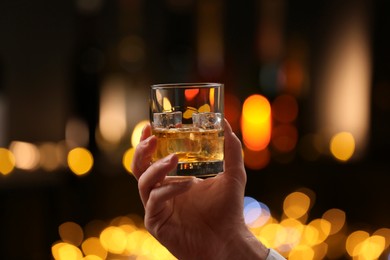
{"x": 198, "y": 169}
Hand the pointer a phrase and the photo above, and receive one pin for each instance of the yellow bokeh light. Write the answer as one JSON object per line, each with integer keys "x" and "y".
{"x": 323, "y": 227}
{"x": 71, "y": 232}
{"x": 167, "y": 105}
{"x": 212, "y": 96}
{"x": 337, "y": 219}
{"x": 256, "y": 122}
{"x": 49, "y": 157}
{"x": 92, "y": 257}
{"x": 128, "y": 158}
{"x": 385, "y": 232}
{"x": 112, "y": 111}
{"x": 354, "y": 239}
{"x": 113, "y": 239}
{"x": 290, "y": 235}
{"x": 269, "y": 234}
{"x": 342, "y": 146}
{"x": 309, "y": 236}
{"x": 92, "y": 246}
{"x": 136, "y": 135}
{"x": 135, "y": 240}
{"x": 296, "y": 205}
{"x": 65, "y": 251}
{"x": 7, "y": 161}
{"x": 370, "y": 248}
{"x": 80, "y": 160}
{"x": 301, "y": 252}
{"x": 26, "y": 155}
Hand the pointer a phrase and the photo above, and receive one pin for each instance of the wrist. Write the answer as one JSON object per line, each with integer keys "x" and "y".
{"x": 244, "y": 245}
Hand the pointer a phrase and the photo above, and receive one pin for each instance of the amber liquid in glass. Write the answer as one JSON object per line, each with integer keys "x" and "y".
{"x": 200, "y": 151}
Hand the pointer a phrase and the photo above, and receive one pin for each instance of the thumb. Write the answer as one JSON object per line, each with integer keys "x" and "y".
{"x": 234, "y": 164}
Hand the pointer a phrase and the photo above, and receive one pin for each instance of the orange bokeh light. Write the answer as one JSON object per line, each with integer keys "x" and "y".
{"x": 256, "y": 122}
{"x": 233, "y": 111}
{"x": 284, "y": 137}
{"x": 285, "y": 109}
{"x": 256, "y": 160}
{"x": 191, "y": 93}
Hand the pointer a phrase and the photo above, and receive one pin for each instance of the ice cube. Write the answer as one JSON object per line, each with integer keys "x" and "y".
{"x": 167, "y": 120}
{"x": 207, "y": 120}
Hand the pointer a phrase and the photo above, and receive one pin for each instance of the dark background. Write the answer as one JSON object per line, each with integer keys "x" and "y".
{"x": 43, "y": 81}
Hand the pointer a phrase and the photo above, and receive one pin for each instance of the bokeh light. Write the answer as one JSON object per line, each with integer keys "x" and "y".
{"x": 284, "y": 137}
{"x": 256, "y": 160}
{"x": 354, "y": 239}
{"x": 65, "y": 251}
{"x": 80, "y": 160}
{"x": 71, "y": 232}
{"x": 112, "y": 110}
{"x": 167, "y": 106}
{"x": 26, "y": 155}
{"x": 233, "y": 111}
{"x": 125, "y": 236}
{"x": 256, "y": 214}
{"x": 337, "y": 219}
{"x": 113, "y": 239}
{"x": 50, "y": 156}
{"x": 285, "y": 109}
{"x": 294, "y": 73}
{"x": 136, "y": 135}
{"x": 191, "y": 93}
{"x": 256, "y": 122}
{"x": 342, "y": 146}
{"x": 128, "y": 158}
{"x": 7, "y": 161}
{"x": 76, "y": 133}
{"x": 296, "y": 205}
{"x": 384, "y": 232}
{"x": 92, "y": 246}
{"x": 371, "y": 248}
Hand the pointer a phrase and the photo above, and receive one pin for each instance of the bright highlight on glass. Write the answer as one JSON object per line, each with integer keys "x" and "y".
{"x": 256, "y": 122}
{"x": 80, "y": 161}
{"x": 342, "y": 146}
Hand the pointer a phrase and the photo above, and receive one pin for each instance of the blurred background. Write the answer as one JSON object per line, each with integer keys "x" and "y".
{"x": 307, "y": 90}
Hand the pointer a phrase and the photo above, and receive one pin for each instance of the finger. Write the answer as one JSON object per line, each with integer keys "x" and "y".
{"x": 234, "y": 164}
{"x": 156, "y": 207}
{"x": 154, "y": 176}
{"x": 143, "y": 155}
{"x": 146, "y": 132}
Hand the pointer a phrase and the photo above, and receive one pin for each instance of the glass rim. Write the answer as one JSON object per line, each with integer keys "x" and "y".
{"x": 186, "y": 85}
